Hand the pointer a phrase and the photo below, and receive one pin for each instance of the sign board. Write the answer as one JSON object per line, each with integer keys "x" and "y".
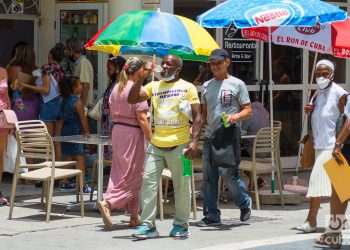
{"x": 241, "y": 50}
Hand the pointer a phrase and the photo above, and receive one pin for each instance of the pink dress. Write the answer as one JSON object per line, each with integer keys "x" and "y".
{"x": 128, "y": 152}
{"x": 4, "y": 102}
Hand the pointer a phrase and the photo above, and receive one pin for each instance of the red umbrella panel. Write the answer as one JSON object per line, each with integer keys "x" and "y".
{"x": 341, "y": 39}
{"x": 327, "y": 39}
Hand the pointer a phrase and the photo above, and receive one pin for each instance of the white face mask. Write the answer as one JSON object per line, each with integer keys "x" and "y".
{"x": 167, "y": 78}
{"x": 322, "y": 82}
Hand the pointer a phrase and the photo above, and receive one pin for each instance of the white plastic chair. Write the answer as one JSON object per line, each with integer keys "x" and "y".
{"x": 35, "y": 142}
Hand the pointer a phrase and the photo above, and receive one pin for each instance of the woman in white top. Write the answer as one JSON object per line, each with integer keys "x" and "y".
{"x": 324, "y": 115}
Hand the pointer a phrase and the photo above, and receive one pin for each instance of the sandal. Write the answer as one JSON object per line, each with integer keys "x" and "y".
{"x": 105, "y": 213}
{"x": 330, "y": 239}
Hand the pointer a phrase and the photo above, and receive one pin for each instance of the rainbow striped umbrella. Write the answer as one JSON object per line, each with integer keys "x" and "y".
{"x": 153, "y": 33}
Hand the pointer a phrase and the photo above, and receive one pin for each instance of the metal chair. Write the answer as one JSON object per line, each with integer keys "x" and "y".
{"x": 35, "y": 142}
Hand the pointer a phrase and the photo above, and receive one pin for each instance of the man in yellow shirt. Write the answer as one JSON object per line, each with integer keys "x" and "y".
{"x": 171, "y": 138}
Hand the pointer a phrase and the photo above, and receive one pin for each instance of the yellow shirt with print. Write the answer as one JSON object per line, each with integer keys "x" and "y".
{"x": 171, "y": 127}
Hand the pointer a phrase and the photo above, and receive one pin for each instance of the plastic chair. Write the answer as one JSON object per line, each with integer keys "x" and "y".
{"x": 35, "y": 142}
{"x": 264, "y": 144}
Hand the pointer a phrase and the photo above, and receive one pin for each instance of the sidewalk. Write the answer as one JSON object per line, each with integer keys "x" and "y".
{"x": 68, "y": 230}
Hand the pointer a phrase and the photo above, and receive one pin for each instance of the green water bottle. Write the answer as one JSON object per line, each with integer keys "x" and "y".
{"x": 224, "y": 120}
{"x": 186, "y": 166}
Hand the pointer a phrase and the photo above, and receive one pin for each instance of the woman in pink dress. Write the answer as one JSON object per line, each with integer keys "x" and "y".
{"x": 129, "y": 132}
{"x": 4, "y": 104}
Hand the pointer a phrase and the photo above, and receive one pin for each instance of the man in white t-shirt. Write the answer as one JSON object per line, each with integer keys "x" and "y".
{"x": 83, "y": 70}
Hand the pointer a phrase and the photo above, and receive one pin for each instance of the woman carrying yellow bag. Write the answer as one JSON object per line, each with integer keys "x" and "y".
{"x": 324, "y": 115}
{"x": 333, "y": 235}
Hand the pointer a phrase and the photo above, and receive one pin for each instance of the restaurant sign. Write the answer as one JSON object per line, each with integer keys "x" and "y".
{"x": 240, "y": 49}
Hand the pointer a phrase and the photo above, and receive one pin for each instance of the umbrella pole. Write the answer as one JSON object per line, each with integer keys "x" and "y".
{"x": 271, "y": 114}
{"x": 154, "y": 63}
{"x": 305, "y": 115}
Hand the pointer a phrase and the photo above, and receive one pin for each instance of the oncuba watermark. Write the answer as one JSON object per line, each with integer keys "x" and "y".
{"x": 335, "y": 235}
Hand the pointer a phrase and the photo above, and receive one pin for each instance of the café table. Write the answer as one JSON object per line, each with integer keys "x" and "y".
{"x": 248, "y": 136}
{"x": 93, "y": 139}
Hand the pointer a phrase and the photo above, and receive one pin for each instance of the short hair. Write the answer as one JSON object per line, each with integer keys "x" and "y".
{"x": 57, "y": 52}
{"x": 181, "y": 63}
{"x": 178, "y": 59}
{"x": 76, "y": 45}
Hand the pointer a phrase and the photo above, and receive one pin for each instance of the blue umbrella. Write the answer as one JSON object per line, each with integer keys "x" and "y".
{"x": 267, "y": 13}
{"x": 270, "y": 13}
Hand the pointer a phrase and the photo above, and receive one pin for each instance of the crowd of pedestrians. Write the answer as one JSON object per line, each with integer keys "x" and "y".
{"x": 152, "y": 125}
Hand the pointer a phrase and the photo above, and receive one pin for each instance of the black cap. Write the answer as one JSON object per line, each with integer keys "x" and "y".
{"x": 218, "y": 54}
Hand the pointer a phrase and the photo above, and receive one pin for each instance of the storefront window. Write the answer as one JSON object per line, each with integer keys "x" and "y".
{"x": 15, "y": 31}
{"x": 81, "y": 25}
{"x": 288, "y": 110}
{"x": 286, "y": 64}
{"x": 191, "y": 9}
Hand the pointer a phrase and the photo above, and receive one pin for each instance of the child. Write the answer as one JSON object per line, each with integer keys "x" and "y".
{"x": 72, "y": 120}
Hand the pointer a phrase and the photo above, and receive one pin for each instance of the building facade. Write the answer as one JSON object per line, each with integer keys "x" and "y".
{"x": 46, "y": 22}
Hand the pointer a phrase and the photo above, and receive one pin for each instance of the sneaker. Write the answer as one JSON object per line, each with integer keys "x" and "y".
{"x": 179, "y": 231}
{"x": 306, "y": 228}
{"x": 246, "y": 212}
{"x": 145, "y": 232}
{"x": 206, "y": 222}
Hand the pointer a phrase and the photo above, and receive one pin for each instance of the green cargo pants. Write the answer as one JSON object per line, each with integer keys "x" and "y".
{"x": 156, "y": 160}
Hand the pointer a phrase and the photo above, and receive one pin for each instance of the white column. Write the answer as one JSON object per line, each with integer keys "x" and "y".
{"x": 118, "y": 7}
{"x": 46, "y": 35}
{"x": 167, "y": 6}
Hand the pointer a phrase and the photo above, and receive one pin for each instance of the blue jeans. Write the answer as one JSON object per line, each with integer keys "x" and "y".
{"x": 210, "y": 186}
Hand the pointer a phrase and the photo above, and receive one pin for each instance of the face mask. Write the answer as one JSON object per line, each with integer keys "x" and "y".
{"x": 322, "y": 82}
{"x": 168, "y": 78}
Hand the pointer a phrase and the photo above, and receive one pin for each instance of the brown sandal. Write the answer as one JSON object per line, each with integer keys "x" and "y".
{"x": 105, "y": 213}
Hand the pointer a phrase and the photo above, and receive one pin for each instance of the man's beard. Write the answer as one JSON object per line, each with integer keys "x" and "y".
{"x": 165, "y": 76}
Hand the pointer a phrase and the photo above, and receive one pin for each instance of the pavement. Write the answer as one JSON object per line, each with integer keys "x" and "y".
{"x": 269, "y": 228}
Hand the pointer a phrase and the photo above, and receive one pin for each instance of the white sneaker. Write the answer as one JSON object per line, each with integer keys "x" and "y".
{"x": 306, "y": 228}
